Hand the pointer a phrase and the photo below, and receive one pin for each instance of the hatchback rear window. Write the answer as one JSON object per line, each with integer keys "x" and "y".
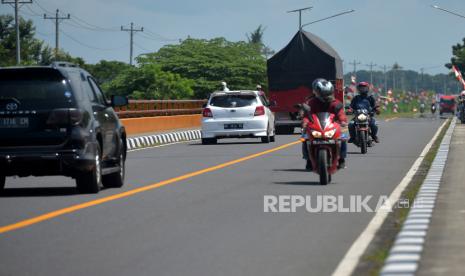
{"x": 233, "y": 100}
{"x": 35, "y": 91}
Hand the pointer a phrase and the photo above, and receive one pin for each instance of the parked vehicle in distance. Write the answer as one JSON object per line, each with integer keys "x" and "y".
{"x": 55, "y": 120}
{"x": 447, "y": 104}
{"x": 237, "y": 114}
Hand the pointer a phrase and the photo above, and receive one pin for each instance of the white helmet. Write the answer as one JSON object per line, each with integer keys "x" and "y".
{"x": 462, "y": 93}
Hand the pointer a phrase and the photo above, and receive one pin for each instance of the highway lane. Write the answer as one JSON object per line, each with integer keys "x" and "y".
{"x": 211, "y": 224}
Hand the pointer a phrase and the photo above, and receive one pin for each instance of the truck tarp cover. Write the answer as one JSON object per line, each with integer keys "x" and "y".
{"x": 306, "y": 58}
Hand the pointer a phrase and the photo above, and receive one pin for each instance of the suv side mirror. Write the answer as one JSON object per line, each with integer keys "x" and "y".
{"x": 117, "y": 101}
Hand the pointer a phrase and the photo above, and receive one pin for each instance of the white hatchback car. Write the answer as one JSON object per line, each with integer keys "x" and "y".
{"x": 237, "y": 114}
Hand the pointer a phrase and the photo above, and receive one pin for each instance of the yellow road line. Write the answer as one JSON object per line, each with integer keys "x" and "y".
{"x": 74, "y": 208}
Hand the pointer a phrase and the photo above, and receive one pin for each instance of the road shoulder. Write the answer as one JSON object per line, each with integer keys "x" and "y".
{"x": 445, "y": 243}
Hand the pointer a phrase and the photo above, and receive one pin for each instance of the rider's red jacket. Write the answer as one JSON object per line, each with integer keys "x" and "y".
{"x": 335, "y": 107}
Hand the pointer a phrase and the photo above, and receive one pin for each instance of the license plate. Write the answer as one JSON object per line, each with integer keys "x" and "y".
{"x": 17, "y": 122}
{"x": 233, "y": 126}
{"x": 324, "y": 142}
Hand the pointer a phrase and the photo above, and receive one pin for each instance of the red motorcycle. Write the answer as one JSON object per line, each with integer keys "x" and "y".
{"x": 323, "y": 142}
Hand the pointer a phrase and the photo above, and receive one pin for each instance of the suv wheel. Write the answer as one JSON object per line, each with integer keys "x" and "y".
{"x": 116, "y": 180}
{"x": 2, "y": 182}
{"x": 209, "y": 141}
{"x": 89, "y": 182}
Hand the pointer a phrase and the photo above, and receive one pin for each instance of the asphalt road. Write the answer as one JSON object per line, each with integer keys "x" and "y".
{"x": 209, "y": 224}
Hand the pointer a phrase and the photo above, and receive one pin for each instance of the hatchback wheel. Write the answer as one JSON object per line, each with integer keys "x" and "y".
{"x": 266, "y": 139}
{"x": 90, "y": 182}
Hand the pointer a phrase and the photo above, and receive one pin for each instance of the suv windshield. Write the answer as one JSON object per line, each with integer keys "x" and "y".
{"x": 233, "y": 100}
{"x": 34, "y": 91}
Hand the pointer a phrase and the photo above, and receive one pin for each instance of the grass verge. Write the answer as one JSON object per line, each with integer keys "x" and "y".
{"x": 373, "y": 259}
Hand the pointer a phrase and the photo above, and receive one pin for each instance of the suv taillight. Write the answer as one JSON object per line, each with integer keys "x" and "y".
{"x": 207, "y": 113}
{"x": 259, "y": 111}
{"x": 65, "y": 117}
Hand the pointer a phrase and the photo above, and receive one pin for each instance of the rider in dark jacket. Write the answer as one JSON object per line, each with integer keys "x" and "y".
{"x": 324, "y": 101}
{"x": 368, "y": 102}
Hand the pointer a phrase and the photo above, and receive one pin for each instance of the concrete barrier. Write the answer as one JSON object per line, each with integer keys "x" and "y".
{"x": 162, "y": 123}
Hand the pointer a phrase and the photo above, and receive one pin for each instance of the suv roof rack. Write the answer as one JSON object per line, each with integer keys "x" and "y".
{"x": 56, "y": 64}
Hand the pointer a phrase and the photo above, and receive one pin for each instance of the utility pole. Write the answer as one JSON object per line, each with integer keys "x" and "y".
{"x": 371, "y": 65}
{"x": 57, "y": 19}
{"x": 16, "y": 5}
{"x": 385, "y": 77}
{"x": 355, "y": 63}
{"x": 422, "y": 70}
{"x": 300, "y": 14}
{"x": 131, "y": 35}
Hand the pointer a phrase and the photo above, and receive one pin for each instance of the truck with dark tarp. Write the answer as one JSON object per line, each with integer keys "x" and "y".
{"x": 291, "y": 72}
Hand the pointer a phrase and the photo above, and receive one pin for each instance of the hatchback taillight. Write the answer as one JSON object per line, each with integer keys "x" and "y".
{"x": 65, "y": 117}
{"x": 207, "y": 113}
{"x": 259, "y": 111}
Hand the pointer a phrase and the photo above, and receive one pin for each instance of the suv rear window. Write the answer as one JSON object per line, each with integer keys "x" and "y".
{"x": 233, "y": 100}
{"x": 33, "y": 90}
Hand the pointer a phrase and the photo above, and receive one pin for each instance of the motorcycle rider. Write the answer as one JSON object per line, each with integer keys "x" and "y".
{"x": 324, "y": 101}
{"x": 368, "y": 102}
{"x": 433, "y": 105}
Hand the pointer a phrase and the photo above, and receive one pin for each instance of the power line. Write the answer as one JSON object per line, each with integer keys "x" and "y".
{"x": 16, "y": 5}
{"x": 41, "y": 7}
{"x": 89, "y": 46}
{"x": 160, "y": 36}
{"x": 57, "y": 19}
{"x": 108, "y": 29}
{"x": 131, "y": 38}
{"x": 142, "y": 48}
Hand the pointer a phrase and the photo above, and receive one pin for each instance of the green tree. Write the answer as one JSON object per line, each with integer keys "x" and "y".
{"x": 256, "y": 38}
{"x": 105, "y": 71}
{"x": 208, "y": 62}
{"x": 32, "y": 49}
{"x": 150, "y": 82}
{"x": 458, "y": 56}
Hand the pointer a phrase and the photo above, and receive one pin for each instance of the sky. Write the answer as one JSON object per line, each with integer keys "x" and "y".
{"x": 408, "y": 32}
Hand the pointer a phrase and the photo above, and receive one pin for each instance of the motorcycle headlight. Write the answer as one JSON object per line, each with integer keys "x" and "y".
{"x": 362, "y": 117}
{"x": 329, "y": 134}
{"x": 316, "y": 134}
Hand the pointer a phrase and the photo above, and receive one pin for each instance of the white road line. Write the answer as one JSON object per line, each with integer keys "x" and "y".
{"x": 164, "y": 145}
{"x": 350, "y": 260}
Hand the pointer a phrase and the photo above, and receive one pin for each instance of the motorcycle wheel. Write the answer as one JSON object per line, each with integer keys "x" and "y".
{"x": 363, "y": 142}
{"x": 323, "y": 167}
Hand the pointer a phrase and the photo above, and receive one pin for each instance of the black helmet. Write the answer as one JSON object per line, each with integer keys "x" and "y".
{"x": 323, "y": 90}
{"x": 363, "y": 88}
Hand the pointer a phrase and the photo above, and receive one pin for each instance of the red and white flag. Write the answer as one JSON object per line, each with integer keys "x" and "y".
{"x": 458, "y": 75}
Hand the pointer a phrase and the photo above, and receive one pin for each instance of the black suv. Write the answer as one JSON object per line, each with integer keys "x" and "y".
{"x": 56, "y": 121}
